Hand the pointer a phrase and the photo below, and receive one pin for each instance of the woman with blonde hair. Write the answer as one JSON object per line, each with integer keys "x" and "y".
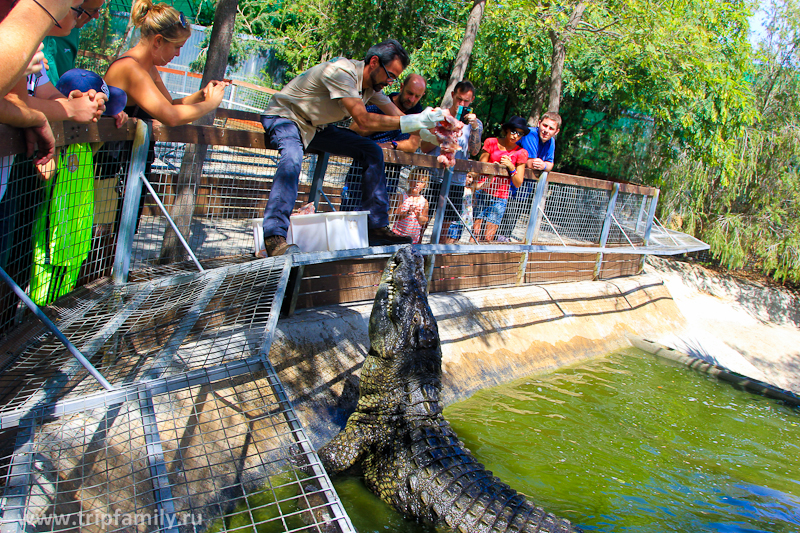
{"x": 164, "y": 30}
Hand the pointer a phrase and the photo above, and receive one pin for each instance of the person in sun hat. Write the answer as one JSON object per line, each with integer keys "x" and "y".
{"x": 492, "y": 197}
{"x": 540, "y": 143}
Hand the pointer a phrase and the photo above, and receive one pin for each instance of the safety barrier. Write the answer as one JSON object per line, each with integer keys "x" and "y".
{"x": 70, "y": 225}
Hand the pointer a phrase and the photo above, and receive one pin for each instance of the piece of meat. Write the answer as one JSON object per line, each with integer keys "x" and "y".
{"x": 307, "y": 209}
{"x": 448, "y": 132}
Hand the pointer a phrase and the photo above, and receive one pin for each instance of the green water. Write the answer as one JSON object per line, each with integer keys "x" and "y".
{"x": 628, "y": 443}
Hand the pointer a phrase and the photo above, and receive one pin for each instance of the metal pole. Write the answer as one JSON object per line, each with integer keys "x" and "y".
{"x": 55, "y": 331}
{"x": 171, "y": 222}
{"x": 438, "y": 220}
{"x": 640, "y": 217}
{"x": 130, "y": 204}
{"x": 319, "y": 176}
{"x": 651, "y": 215}
{"x": 612, "y": 202}
{"x": 444, "y": 192}
{"x": 534, "y": 222}
{"x": 537, "y": 208}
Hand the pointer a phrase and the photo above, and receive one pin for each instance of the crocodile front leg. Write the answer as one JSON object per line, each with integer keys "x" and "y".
{"x": 352, "y": 444}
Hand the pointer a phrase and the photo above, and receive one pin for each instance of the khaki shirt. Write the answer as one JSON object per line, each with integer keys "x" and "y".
{"x": 313, "y": 99}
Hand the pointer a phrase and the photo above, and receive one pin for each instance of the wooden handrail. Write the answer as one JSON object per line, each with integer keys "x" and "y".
{"x": 67, "y": 133}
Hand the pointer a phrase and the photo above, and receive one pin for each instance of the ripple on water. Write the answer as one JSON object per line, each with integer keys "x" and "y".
{"x": 632, "y": 443}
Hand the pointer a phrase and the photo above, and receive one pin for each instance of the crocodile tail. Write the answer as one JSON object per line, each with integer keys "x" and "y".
{"x": 457, "y": 491}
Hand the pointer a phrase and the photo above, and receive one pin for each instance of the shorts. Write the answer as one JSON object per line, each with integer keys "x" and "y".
{"x": 489, "y": 208}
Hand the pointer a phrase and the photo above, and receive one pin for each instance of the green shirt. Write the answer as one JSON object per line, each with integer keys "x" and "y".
{"x": 61, "y": 53}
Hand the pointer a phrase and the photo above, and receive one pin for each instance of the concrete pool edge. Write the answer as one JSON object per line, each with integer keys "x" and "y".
{"x": 695, "y": 363}
{"x": 489, "y": 337}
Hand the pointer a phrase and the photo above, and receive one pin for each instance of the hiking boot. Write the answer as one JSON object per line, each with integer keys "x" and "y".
{"x": 276, "y": 245}
{"x": 385, "y": 237}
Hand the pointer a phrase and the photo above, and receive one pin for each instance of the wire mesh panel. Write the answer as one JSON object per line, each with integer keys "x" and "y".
{"x": 57, "y": 225}
{"x": 573, "y": 215}
{"x": 228, "y": 196}
{"x": 199, "y": 434}
{"x": 236, "y": 457}
{"x": 78, "y": 472}
{"x": 143, "y": 331}
{"x": 629, "y": 214}
{"x": 227, "y": 455}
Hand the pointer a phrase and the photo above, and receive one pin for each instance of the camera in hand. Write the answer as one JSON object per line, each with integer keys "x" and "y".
{"x": 463, "y": 111}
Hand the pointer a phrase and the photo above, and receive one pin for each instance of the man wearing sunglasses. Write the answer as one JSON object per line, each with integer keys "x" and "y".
{"x": 61, "y": 52}
{"x": 301, "y": 115}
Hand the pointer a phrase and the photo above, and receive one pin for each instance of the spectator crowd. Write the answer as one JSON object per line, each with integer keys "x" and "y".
{"x": 59, "y": 205}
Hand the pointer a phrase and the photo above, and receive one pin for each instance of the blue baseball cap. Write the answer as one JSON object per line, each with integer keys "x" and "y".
{"x": 83, "y": 80}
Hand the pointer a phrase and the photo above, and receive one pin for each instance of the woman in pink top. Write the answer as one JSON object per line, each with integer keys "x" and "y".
{"x": 412, "y": 207}
{"x": 492, "y": 192}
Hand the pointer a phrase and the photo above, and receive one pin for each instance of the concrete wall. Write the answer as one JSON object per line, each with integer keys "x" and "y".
{"x": 488, "y": 337}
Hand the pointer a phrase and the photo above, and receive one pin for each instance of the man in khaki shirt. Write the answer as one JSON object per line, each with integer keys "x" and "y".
{"x": 299, "y": 116}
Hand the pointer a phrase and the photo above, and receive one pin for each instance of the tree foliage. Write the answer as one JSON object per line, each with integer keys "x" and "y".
{"x": 751, "y": 218}
{"x": 669, "y": 94}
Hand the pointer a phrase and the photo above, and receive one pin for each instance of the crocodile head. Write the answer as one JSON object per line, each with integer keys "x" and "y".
{"x": 405, "y": 354}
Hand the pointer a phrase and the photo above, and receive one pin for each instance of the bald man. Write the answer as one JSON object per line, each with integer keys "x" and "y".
{"x": 407, "y": 100}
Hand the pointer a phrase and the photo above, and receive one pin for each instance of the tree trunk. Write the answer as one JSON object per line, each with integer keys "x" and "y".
{"x": 462, "y": 59}
{"x": 539, "y": 96}
{"x": 125, "y": 38}
{"x": 188, "y": 177}
{"x": 560, "y": 42}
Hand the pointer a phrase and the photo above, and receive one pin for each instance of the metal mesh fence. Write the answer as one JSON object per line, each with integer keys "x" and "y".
{"x": 224, "y": 456}
{"x": 230, "y": 195}
{"x": 573, "y": 215}
{"x": 62, "y": 233}
{"x": 58, "y": 224}
{"x": 629, "y": 219}
{"x": 143, "y": 331}
{"x": 199, "y": 433}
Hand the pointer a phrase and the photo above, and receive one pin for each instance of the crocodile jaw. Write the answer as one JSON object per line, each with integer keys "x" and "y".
{"x": 405, "y": 352}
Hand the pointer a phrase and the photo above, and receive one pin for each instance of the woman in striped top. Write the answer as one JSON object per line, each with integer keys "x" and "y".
{"x": 412, "y": 207}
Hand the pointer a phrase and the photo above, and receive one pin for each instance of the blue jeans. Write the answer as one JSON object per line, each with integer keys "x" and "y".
{"x": 284, "y": 136}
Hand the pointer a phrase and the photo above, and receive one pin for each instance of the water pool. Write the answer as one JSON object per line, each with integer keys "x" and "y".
{"x": 628, "y": 442}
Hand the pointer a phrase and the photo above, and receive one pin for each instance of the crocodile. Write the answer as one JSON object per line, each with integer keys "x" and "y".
{"x": 408, "y": 453}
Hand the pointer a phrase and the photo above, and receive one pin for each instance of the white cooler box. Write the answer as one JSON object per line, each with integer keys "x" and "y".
{"x": 321, "y": 232}
{"x": 342, "y": 230}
